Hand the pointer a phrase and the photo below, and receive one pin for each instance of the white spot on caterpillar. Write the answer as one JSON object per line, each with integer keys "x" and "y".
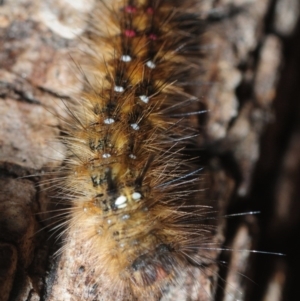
{"x": 150, "y": 65}
{"x": 109, "y": 221}
{"x": 126, "y": 58}
{"x": 125, "y": 217}
{"x": 105, "y": 156}
{"x": 144, "y": 98}
{"x": 109, "y": 121}
{"x": 121, "y": 201}
{"x": 135, "y": 126}
{"x": 136, "y": 196}
{"x": 119, "y": 89}
{"x": 132, "y": 156}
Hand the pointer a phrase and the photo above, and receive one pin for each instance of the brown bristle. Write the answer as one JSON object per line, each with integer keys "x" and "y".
{"x": 129, "y": 182}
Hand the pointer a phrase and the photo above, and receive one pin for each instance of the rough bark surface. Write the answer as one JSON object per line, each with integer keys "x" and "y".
{"x": 250, "y": 143}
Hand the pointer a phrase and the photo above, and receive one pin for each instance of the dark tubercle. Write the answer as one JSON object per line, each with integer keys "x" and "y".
{"x": 154, "y": 266}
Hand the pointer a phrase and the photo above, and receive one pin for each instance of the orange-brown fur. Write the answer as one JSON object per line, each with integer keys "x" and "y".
{"x": 125, "y": 173}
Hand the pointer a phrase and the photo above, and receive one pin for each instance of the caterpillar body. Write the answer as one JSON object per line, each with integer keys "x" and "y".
{"x": 135, "y": 226}
{"x": 132, "y": 187}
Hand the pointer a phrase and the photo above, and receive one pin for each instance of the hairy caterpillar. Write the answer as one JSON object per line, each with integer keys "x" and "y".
{"x": 188, "y": 110}
{"x": 130, "y": 186}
